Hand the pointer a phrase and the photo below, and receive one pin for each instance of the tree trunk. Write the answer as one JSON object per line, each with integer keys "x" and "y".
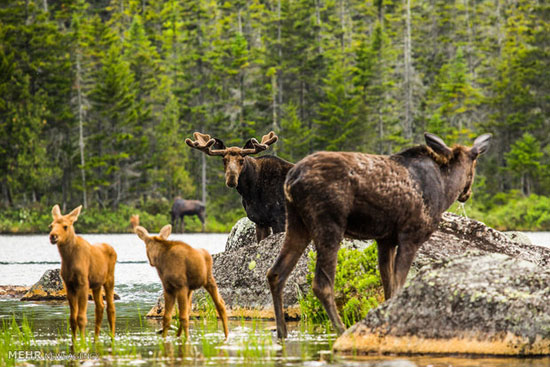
{"x": 81, "y": 129}
{"x": 407, "y": 124}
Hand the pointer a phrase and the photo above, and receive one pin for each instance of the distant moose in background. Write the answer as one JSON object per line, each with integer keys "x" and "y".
{"x": 259, "y": 180}
{"x": 397, "y": 200}
{"x": 182, "y": 207}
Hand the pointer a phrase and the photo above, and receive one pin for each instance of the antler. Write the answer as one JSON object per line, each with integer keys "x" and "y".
{"x": 267, "y": 140}
{"x": 204, "y": 142}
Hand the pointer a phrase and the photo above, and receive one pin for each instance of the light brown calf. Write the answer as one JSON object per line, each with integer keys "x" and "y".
{"x": 181, "y": 269}
{"x": 84, "y": 267}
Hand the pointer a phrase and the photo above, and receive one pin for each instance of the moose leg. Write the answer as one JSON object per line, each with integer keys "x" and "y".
{"x": 261, "y": 232}
{"x": 183, "y": 304}
{"x": 403, "y": 260}
{"x": 169, "y": 300}
{"x": 212, "y": 289}
{"x": 296, "y": 240}
{"x": 182, "y": 223}
{"x": 323, "y": 283}
{"x": 190, "y": 300}
{"x": 82, "y": 299}
{"x": 73, "y": 311}
{"x": 386, "y": 261}
{"x": 201, "y": 218}
{"x": 99, "y": 307}
{"x": 111, "y": 312}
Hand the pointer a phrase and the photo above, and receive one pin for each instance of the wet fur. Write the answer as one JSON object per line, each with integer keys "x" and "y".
{"x": 397, "y": 200}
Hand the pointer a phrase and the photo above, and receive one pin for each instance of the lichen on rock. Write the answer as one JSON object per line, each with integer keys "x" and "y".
{"x": 474, "y": 304}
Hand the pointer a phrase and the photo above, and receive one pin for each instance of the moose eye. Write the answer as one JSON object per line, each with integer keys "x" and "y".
{"x": 65, "y": 227}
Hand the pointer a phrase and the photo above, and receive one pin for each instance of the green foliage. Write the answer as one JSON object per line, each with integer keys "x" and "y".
{"x": 357, "y": 286}
{"x": 137, "y": 78}
{"x": 509, "y": 211}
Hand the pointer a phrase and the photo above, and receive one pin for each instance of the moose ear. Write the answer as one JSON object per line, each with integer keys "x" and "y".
{"x": 56, "y": 212}
{"x": 218, "y": 145}
{"x": 437, "y": 144}
{"x": 481, "y": 144}
{"x": 73, "y": 216}
{"x": 165, "y": 231}
{"x": 142, "y": 233}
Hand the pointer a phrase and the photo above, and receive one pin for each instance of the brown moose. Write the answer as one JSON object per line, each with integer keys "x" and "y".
{"x": 84, "y": 267}
{"x": 182, "y": 207}
{"x": 182, "y": 269}
{"x": 259, "y": 180}
{"x": 397, "y": 200}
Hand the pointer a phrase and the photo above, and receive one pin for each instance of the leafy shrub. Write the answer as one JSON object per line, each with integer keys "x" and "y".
{"x": 357, "y": 286}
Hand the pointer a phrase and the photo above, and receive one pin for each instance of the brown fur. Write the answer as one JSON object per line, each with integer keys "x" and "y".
{"x": 259, "y": 181}
{"x": 397, "y": 200}
{"x": 84, "y": 267}
{"x": 182, "y": 269}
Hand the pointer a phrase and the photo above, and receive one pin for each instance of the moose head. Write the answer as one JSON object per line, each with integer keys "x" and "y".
{"x": 62, "y": 229}
{"x": 233, "y": 157}
{"x": 464, "y": 156}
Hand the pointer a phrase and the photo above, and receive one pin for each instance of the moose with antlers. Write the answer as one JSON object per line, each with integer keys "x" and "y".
{"x": 397, "y": 200}
{"x": 259, "y": 180}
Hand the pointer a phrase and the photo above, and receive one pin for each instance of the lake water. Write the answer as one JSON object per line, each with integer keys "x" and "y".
{"x": 24, "y": 258}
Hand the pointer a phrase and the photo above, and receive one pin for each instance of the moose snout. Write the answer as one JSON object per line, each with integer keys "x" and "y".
{"x": 53, "y": 239}
{"x": 231, "y": 181}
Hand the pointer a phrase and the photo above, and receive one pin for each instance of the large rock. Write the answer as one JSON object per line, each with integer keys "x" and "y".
{"x": 472, "y": 304}
{"x": 50, "y": 287}
{"x": 240, "y": 270}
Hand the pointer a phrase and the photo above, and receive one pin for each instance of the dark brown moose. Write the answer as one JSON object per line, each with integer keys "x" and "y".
{"x": 397, "y": 200}
{"x": 84, "y": 267}
{"x": 182, "y": 269}
{"x": 181, "y": 208}
{"x": 259, "y": 180}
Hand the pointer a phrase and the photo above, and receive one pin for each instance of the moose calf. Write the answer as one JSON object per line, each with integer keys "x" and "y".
{"x": 84, "y": 267}
{"x": 181, "y": 269}
{"x": 397, "y": 200}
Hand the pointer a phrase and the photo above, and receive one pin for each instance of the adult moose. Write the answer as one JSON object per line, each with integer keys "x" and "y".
{"x": 84, "y": 267}
{"x": 397, "y": 200}
{"x": 259, "y": 180}
{"x": 181, "y": 208}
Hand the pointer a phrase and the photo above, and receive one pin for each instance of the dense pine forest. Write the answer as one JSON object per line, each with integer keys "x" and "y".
{"x": 97, "y": 97}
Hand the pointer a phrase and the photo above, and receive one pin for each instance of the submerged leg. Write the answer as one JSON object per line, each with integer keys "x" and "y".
{"x": 296, "y": 240}
{"x": 111, "y": 312}
{"x": 212, "y": 289}
{"x": 169, "y": 301}
{"x": 183, "y": 304}
{"x": 99, "y": 307}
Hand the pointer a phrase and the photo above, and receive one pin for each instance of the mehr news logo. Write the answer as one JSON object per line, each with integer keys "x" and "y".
{"x": 34, "y": 355}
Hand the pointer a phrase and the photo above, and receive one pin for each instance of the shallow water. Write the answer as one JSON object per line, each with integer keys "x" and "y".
{"x": 23, "y": 259}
